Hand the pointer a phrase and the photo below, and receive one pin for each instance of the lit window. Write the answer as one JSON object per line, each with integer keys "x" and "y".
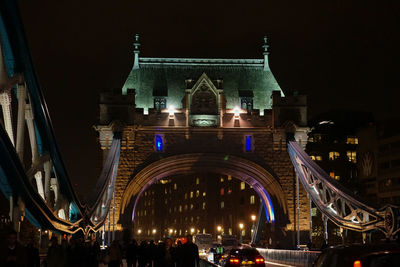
{"x": 252, "y": 199}
{"x": 191, "y": 219}
{"x": 159, "y": 143}
{"x": 191, "y": 206}
{"x": 352, "y": 140}
{"x": 145, "y": 212}
{"x": 165, "y": 191}
{"x": 145, "y": 193}
{"x": 175, "y": 187}
{"x": 186, "y": 207}
{"x": 197, "y": 180}
{"x": 204, "y": 205}
{"x": 248, "y": 143}
{"x": 222, "y": 179}
{"x": 185, "y": 195}
{"x": 229, "y": 177}
{"x": 352, "y": 156}
{"x": 334, "y": 175}
{"x": 160, "y": 103}
{"x": 318, "y": 158}
{"x": 191, "y": 194}
{"x": 222, "y": 204}
{"x": 166, "y": 202}
{"x": 222, "y": 191}
{"x": 333, "y": 155}
{"x": 204, "y": 194}
{"x": 180, "y": 208}
{"x": 242, "y": 185}
{"x": 197, "y": 193}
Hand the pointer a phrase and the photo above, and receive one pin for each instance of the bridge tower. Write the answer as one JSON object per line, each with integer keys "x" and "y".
{"x": 186, "y": 115}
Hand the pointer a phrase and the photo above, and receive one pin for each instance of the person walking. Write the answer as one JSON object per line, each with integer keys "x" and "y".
{"x": 54, "y": 253}
{"x": 32, "y": 254}
{"x": 14, "y": 255}
{"x": 190, "y": 253}
{"x": 115, "y": 254}
{"x": 132, "y": 253}
{"x": 142, "y": 254}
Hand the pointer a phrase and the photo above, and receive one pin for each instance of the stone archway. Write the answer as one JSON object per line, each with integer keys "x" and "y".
{"x": 262, "y": 181}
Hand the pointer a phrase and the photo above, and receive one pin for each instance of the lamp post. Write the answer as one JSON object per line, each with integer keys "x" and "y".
{"x": 253, "y": 219}
{"x": 241, "y": 226}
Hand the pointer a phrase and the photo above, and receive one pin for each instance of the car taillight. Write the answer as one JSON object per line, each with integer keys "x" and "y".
{"x": 357, "y": 264}
{"x": 234, "y": 260}
{"x": 259, "y": 260}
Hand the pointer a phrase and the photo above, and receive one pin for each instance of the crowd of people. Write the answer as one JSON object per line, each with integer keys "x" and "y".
{"x": 164, "y": 254}
{"x": 78, "y": 253}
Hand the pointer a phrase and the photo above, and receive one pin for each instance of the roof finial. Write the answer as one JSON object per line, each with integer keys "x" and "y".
{"x": 136, "y": 50}
{"x": 265, "y": 53}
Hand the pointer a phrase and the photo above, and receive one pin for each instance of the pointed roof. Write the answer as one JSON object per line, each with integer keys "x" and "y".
{"x": 171, "y": 74}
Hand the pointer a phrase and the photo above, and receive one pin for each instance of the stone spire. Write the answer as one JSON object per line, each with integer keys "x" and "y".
{"x": 136, "y": 44}
{"x": 265, "y": 53}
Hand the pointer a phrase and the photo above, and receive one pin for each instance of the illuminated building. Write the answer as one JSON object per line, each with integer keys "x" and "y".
{"x": 190, "y": 116}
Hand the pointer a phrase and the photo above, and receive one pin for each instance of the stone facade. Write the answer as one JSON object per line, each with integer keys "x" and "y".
{"x": 239, "y": 141}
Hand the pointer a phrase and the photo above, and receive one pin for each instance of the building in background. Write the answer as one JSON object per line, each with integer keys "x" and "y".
{"x": 191, "y": 204}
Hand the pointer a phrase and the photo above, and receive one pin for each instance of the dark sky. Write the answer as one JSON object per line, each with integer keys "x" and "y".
{"x": 341, "y": 53}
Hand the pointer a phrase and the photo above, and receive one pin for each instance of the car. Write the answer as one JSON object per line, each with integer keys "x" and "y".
{"x": 244, "y": 256}
{"x": 358, "y": 255}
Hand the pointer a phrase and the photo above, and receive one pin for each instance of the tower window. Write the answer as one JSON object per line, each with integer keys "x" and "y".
{"x": 159, "y": 143}
{"x": 248, "y": 143}
{"x": 352, "y": 140}
{"x": 160, "y": 103}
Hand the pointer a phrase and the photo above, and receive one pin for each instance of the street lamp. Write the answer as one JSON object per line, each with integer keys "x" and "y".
{"x": 219, "y": 228}
{"x": 154, "y": 231}
{"x": 253, "y": 227}
{"x": 171, "y": 231}
{"x": 139, "y": 231}
{"x": 192, "y": 230}
{"x": 241, "y": 226}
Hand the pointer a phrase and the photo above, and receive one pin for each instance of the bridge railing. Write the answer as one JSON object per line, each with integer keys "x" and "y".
{"x": 296, "y": 258}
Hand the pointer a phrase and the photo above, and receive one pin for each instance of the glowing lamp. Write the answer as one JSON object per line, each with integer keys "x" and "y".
{"x": 171, "y": 111}
{"x": 219, "y": 228}
{"x": 154, "y": 231}
{"x": 171, "y": 231}
{"x": 139, "y": 231}
{"x": 192, "y": 230}
{"x": 253, "y": 217}
{"x": 236, "y": 112}
{"x": 241, "y": 226}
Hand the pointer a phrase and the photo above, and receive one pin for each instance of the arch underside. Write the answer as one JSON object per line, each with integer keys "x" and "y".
{"x": 267, "y": 186}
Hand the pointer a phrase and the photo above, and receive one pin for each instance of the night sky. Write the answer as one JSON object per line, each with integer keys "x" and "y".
{"x": 341, "y": 53}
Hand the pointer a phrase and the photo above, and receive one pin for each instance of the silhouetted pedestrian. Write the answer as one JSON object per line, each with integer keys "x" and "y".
{"x": 33, "y": 255}
{"x": 142, "y": 255}
{"x": 14, "y": 255}
{"x": 54, "y": 253}
{"x": 93, "y": 252}
{"x": 190, "y": 253}
{"x": 132, "y": 253}
{"x": 115, "y": 254}
{"x": 179, "y": 254}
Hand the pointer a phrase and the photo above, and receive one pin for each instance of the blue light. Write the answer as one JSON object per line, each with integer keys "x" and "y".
{"x": 248, "y": 143}
{"x": 159, "y": 143}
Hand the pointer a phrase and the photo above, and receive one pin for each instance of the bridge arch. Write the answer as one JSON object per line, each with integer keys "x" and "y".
{"x": 263, "y": 182}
